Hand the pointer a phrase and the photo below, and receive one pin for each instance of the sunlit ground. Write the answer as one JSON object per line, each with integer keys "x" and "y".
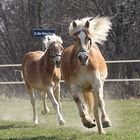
{"x": 16, "y": 121}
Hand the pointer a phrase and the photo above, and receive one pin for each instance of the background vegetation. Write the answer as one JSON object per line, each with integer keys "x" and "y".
{"x": 19, "y": 17}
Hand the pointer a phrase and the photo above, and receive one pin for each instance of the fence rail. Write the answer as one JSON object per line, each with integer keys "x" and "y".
{"x": 10, "y": 65}
{"x": 108, "y": 62}
{"x": 123, "y": 61}
{"x": 107, "y": 80}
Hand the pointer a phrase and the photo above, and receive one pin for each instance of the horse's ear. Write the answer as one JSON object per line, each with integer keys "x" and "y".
{"x": 91, "y": 19}
{"x": 49, "y": 39}
{"x": 87, "y": 24}
{"x": 74, "y": 24}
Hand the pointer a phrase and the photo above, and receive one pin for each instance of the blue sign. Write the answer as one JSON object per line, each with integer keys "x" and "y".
{"x": 43, "y": 32}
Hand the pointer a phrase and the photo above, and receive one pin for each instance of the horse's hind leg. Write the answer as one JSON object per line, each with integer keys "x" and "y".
{"x": 32, "y": 100}
{"x": 55, "y": 105}
{"x": 45, "y": 107}
{"x": 105, "y": 119}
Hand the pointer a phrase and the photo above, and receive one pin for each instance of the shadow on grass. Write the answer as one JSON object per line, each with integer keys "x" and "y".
{"x": 40, "y": 138}
{"x": 62, "y": 134}
{"x": 6, "y": 127}
{"x": 18, "y": 125}
{"x": 35, "y": 138}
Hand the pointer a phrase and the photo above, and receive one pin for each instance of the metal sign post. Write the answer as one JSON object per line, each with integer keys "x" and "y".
{"x": 42, "y": 32}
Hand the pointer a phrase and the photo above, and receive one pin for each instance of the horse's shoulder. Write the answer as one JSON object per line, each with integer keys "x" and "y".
{"x": 95, "y": 49}
{"x": 97, "y": 60}
{"x": 95, "y": 52}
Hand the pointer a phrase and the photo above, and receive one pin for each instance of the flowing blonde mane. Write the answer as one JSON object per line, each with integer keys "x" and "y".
{"x": 98, "y": 28}
{"x": 49, "y": 39}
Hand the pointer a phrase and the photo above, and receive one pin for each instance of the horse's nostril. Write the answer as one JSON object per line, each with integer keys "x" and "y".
{"x": 57, "y": 63}
{"x": 86, "y": 57}
{"x": 80, "y": 57}
{"x": 83, "y": 58}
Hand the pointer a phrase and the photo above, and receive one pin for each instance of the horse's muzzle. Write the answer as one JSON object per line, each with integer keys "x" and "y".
{"x": 83, "y": 58}
{"x": 57, "y": 63}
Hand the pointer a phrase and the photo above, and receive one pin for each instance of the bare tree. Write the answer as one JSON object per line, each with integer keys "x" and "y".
{"x": 19, "y": 18}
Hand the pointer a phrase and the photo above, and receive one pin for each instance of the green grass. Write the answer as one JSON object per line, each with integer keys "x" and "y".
{"x": 16, "y": 122}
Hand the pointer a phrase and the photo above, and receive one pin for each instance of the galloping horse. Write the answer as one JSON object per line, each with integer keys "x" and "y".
{"x": 84, "y": 67}
{"x": 41, "y": 71}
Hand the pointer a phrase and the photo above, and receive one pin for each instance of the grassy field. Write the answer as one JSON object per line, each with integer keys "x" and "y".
{"x": 16, "y": 122}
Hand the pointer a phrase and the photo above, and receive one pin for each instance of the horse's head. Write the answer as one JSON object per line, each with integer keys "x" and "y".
{"x": 54, "y": 49}
{"x": 86, "y": 32}
{"x": 82, "y": 44}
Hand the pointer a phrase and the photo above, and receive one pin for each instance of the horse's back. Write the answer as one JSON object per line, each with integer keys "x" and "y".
{"x": 33, "y": 56}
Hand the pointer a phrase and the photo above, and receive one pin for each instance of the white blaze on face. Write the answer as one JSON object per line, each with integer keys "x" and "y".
{"x": 82, "y": 54}
{"x": 82, "y": 37}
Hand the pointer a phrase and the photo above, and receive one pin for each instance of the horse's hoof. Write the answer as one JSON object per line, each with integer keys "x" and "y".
{"x": 89, "y": 125}
{"x": 35, "y": 121}
{"x": 102, "y": 132}
{"x": 62, "y": 122}
{"x": 43, "y": 112}
{"x": 47, "y": 110}
{"x": 106, "y": 124}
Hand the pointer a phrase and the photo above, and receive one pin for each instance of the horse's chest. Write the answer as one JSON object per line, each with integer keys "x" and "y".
{"x": 83, "y": 77}
{"x": 51, "y": 78}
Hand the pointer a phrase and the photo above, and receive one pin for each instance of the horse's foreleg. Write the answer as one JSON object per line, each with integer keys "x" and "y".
{"x": 97, "y": 90}
{"x": 55, "y": 105}
{"x": 45, "y": 107}
{"x": 105, "y": 119}
{"x": 57, "y": 96}
{"x": 32, "y": 100}
{"x": 96, "y": 114}
{"x": 83, "y": 111}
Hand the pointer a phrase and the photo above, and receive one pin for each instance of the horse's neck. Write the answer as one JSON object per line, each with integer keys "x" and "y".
{"x": 46, "y": 63}
{"x": 74, "y": 61}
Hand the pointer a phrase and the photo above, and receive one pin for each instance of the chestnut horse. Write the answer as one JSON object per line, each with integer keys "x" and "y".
{"x": 83, "y": 67}
{"x": 41, "y": 71}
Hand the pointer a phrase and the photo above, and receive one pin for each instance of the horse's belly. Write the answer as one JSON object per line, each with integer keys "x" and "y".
{"x": 38, "y": 85}
{"x": 35, "y": 83}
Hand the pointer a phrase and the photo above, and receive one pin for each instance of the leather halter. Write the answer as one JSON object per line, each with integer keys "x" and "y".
{"x": 81, "y": 50}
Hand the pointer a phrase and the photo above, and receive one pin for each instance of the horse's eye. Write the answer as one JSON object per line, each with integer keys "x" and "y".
{"x": 74, "y": 39}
